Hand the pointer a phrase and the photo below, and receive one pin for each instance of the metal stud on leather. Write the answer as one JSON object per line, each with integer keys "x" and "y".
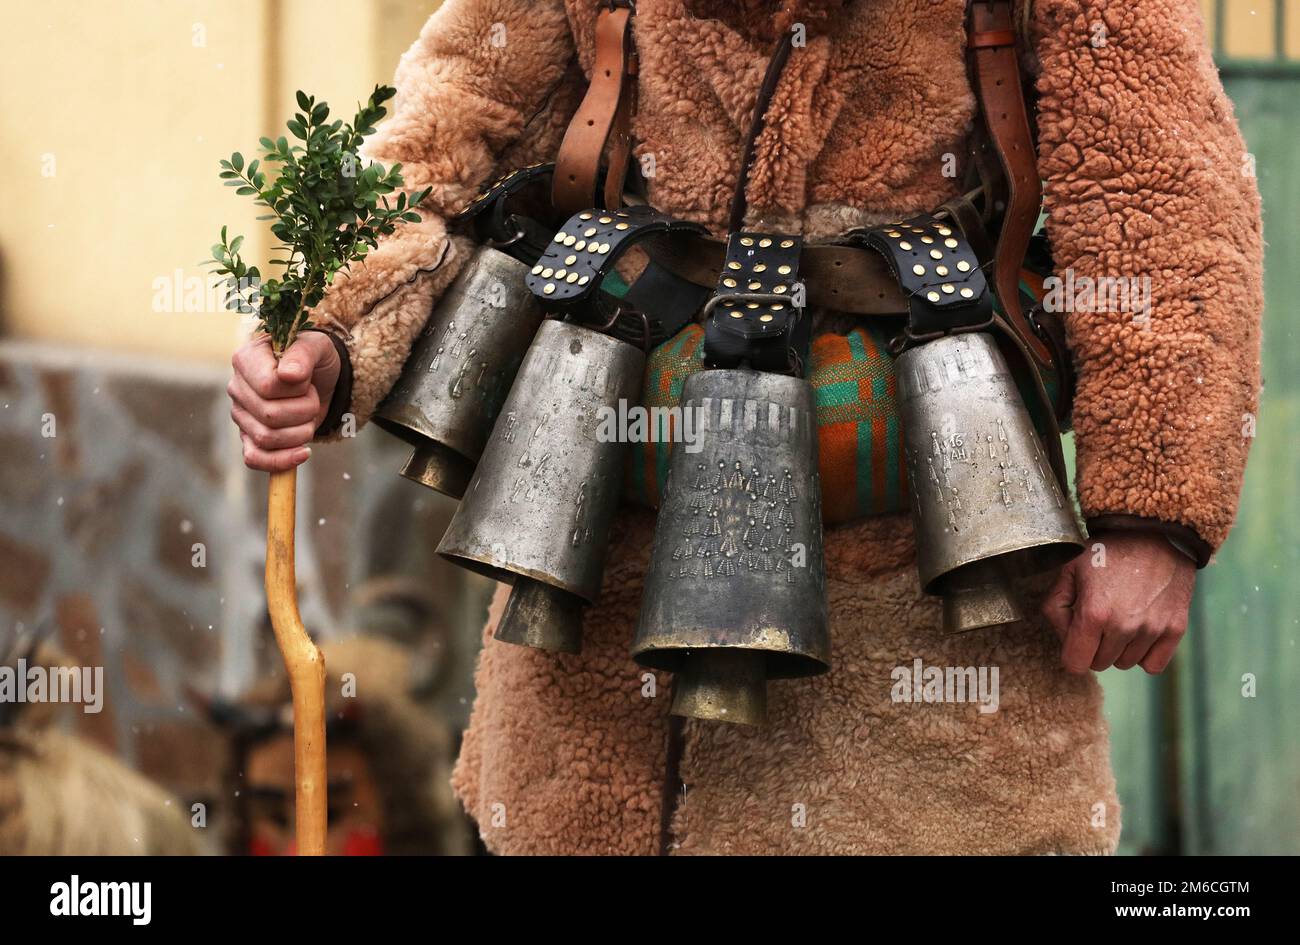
{"x": 583, "y": 252}
{"x": 937, "y": 268}
{"x": 755, "y": 306}
{"x": 503, "y": 186}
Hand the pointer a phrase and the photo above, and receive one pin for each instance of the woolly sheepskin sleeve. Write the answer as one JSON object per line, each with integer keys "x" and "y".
{"x": 1148, "y": 180}
{"x": 479, "y": 72}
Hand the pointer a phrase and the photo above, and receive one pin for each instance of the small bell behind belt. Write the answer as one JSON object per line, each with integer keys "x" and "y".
{"x": 986, "y": 506}
{"x": 539, "y": 508}
{"x": 460, "y": 370}
{"x": 735, "y": 593}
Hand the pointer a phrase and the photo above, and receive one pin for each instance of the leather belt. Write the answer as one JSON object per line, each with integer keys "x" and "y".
{"x": 604, "y": 117}
{"x": 995, "y": 70}
{"x": 842, "y": 278}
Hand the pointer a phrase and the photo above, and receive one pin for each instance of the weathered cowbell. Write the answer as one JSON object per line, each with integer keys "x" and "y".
{"x": 736, "y": 590}
{"x": 539, "y": 508}
{"x": 986, "y": 506}
{"x": 460, "y": 370}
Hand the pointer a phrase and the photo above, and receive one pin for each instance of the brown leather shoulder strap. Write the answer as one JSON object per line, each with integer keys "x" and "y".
{"x": 995, "y": 74}
{"x": 604, "y": 116}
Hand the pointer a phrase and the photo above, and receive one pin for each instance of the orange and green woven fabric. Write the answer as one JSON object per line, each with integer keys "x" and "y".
{"x": 859, "y": 440}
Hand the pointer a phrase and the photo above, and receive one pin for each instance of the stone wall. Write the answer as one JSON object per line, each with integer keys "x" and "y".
{"x": 132, "y": 533}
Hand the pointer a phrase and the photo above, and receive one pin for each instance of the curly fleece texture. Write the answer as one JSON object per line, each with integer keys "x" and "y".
{"x": 1142, "y": 163}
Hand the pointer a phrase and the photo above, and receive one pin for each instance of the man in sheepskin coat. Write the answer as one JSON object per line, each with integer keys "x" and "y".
{"x": 1143, "y": 171}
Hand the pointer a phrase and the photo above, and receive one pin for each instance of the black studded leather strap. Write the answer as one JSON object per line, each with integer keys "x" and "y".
{"x": 756, "y": 309}
{"x": 937, "y": 270}
{"x": 495, "y": 224}
{"x": 504, "y": 186}
{"x": 579, "y": 257}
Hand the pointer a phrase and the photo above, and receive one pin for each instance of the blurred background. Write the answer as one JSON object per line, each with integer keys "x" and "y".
{"x": 132, "y": 538}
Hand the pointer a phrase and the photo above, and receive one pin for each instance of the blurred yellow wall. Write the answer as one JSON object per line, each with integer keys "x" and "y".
{"x": 113, "y": 115}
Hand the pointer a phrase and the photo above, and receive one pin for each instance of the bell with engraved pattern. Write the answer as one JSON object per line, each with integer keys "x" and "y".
{"x": 539, "y": 508}
{"x": 460, "y": 370}
{"x": 736, "y": 590}
{"x": 986, "y": 506}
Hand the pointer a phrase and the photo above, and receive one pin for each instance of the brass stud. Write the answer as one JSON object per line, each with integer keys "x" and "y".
{"x": 622, "y": 226}
{"x": 904, "y": 245}
{"x": 761, "y": 267}
{"x": 755, "y": 286}
{"x": 584, "y": 216}
{"x": 950, "y": 243}
{"x": 894, "y": 233}
{"x": 561, "y": 273}
{"x": 967, "y": 293}
{"x": 604, "y": 248}
{"x": 944, "y": 231}
{"x": 765, "y": 242}
{"x": 570, "y": 240}
{"x": 927, "y": 239}
{"x": 940, "y": 270}
{"x": 729, "y": 283}
{"x": 779, "y": 289}
{"x": 573, "y": 277}
{"x": 606, "y": 220}
{"x": 765, "y": 318}
{"x": 560, "y": 236}
{"x": 590, "y": 232}
{"x": 550, "y": 287}
{"x": 751, "y": 305}
{"x": 537, "y": 270}
{"x": 932, "y": 296}
{"x": 963, "y": 265}
{"x": 580, "y": 245}
{"x": 548, "y": 272}
{"x": 947, "y": 288}
{"x": 786, "y": 244}
{"x": 918, "y": 269}
{"x": 733, "y": 265}
{"x": 746, "y": 241}
{"x": 784, "y": 270}
{"x": 570, "y": 260}
{"x": 778, "y": 307}
{"x": 737, "y": 314}
{"x": 584, "y": 280}
{"x": 935, "y": 254}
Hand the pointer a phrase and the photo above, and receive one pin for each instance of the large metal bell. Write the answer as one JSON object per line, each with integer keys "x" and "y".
{"x": 538, "y": 510}
{"x": 736, "y": 590}
{"x": 460, "y": 370}
{"x": 986, "y": 506}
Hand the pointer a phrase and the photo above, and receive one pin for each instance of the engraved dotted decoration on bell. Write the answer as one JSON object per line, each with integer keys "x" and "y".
{"x": 539, "y": 508}
{"x": 736, "y": 590}
{"x": 986, "y": 506}
{"x": 460, "y": 370}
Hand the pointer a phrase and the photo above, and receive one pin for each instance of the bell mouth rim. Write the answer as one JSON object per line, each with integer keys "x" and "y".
{"x": 490, "y": 568}
{"x": 455, "y": 471}
{"x": 779, "y": 664}
{"x": 1061, "y": 550}
{"x": 416, "y": 433}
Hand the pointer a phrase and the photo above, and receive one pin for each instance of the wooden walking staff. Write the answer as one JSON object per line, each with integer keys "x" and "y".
{"x": 329, "y": 209}
{"x": 304, "y": 663}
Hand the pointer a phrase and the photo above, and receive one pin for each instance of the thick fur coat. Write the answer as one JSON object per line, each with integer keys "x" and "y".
{"x": 1143, "y": 170}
